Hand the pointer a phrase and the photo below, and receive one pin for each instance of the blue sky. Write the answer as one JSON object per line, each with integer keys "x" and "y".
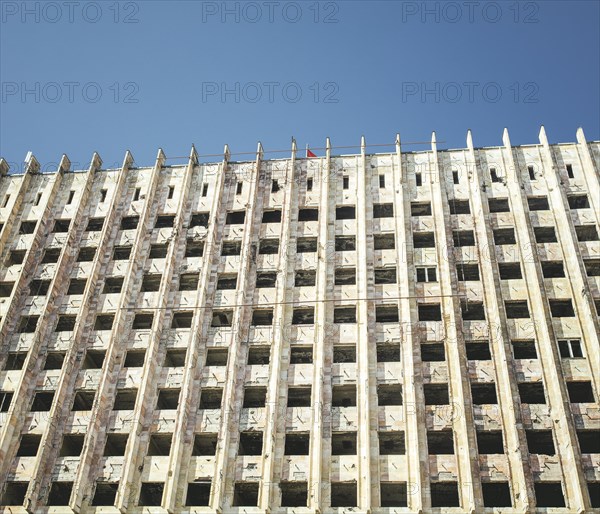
{"x": 79, "y": 77}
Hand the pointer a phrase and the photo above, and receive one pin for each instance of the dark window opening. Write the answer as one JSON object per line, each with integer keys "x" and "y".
{"x": 484, "y": 393}
{"x": 115, "y": 445}
{"x": 389, "y": 394}
{"x": 245, "y": 494}
{"x": 158, "y": 251}
{"x": 382, "y": 181}
{"x": 134, "y": 358}
{"x": 460, "y": 207}
{"x": 496, "y": 494}
{"x": 254, "y": 397}
{"x": 39, "y": 287}
{"x": 510, "y": 270}
{"x": 430, "y": 312}
{"x": 51, "y": 255}
{"x": 238, "y": 188}
{"x": 95, "y": 225}
{"x": 517, "y": 310}
{"x": 345, "y": 276}
{"x": 440, "y": 442}
{"x": 294, "y": 494}
{"x": 428, "y": 274}
{"x": 384, "y": 242}
{"x": 211, "y": 397}
{"x": 235, "y": 218}
{"x": 301, "y": 355}
{"x": 189, "y": 281}
{"x": 524, "y": 349}
{"x": 490, "y": 442}
{"x": 151, "y": 494}
{"x": 436, "y": 394}
{"x": 463, "y": 238}
{"x": 268, "y": 247}
{"x": 433, "y": 352}
{"x": 159, "y": 444}
{"x": 164, "y": 221}
{"x": 540, "y": 442}
{"x": 231, "y": 248}
{"x": 271, "y": 216}
{"x": 61, "y": 226}
{"x": 478, "y": 350}
{"x": 142, "y": 321}
{"x": 28, "y": 324}
{"x": 66, "y": 323}
{"x": 383, "y": 210}
{"x": 105, "y": 494}
{"x": 195, "y": 248}
{"x": 545, "y": 235}
{"x": 343, "y": 396}
{"x": 5, "y": 399}
{"x": 343, "y": 443}
{"x": 472, "y": 310}
{"x": 586, "y": 233}
{"x": 344, "y": 353}
{"x": 60, "y": 493}
{"x": 444, "y": 494}
{"x": 498, "y": 205}
{"x": 309, "y": 184}
{"x": 347, "y": 212}
{"x": 198, "y": 494}
{"x": 129, "y": 222}
{"x": 589, "y": 441}
{"x": 303, "y": 316}
{"x": 250, "y": 443}
{"x": 121, "y": 253}
{"x": 344, "y": 314}
{"x": 553, "y": 269}
{"x": 420, "y": 209}
{"x": 86, "y": 254}
{"x": 423, "y": 240}
{"x": 15, "y": 361}
{"x": 455, "y": 177}
{"x": 386, "y": 314}
{"x": 306, "y": 245}
{"x": 204, "y": 445}
{"x": 104, "y": 322}
{"x": 77, "y": 286}
{"x": 561, "y": 308}
{"x": 538, "y": 203}
{"x": 594, "y": 490}
{"x": 467, "y": 272}
{"x": 125, "y": 399}
{"x": 385, "y": 276}
{"x": 168, "y": 399}
{"x": 103, "y": 193}
{"x": 308, "y": 215}
{"x": 580, "y": 392}
{"x": 222, "y": 319}
{"x": 578, "y": 201}
{"x": 504, "y": 236}
{"x": 345, "y": 243}
{"x": 305, "y": 278}
{"x": 94, "y": 359}
{"x": 29, "y": 445}
{"x": 262, "y": 317}
{"x": 592, "y": 267}
{"x": 175, "y": 357}
{"x": 266, "y": 279}
{"x": 297, "y": 444}
{"x": 531, "y": 172}
{"x": 227, "y": 281}
{"x": 217, "y": 356}
{"x": 259, "y": 355}
{"x": 6, "y": 289}
{"x": 494, "y": 175}
{"x": 274, "y": 186}
{"x": 388, "y": 352}
{"x": 570, "y": 348}
{"x": 343, "y": 494}
{"x": 345, "y": 182}
{"x": 16, "y": 257}
{"x": 393, "y": 494}
{"x": 151, "y": 283}
{"x": 72, "y": 445}
{"x": 199, "y": 219}
{"x": 549, "y": 494}
{"x": 569, "y": 169}
{"x": 418, "y": 179}
{"x": 42, "y": 401}
{"x": 54, "y": 360}
{"x": 136, "y": 194}
{"x": 532, "y": 393}
{"x": 28, "y": 227}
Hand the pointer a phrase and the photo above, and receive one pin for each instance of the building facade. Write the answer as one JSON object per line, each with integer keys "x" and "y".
{"x": 391, "y": 332}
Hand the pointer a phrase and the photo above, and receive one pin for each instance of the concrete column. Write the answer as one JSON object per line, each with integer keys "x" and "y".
{"x": 591, "y": 172}
{"x": 233, "y": 392}
{"x": 321, "y": 399}
{"x": 577, "y": 497}
{"x": 104, "y": 399}
{"x": 458, "y": 377}
{"x": 412, "y": 385}
{"x": 574, "y": 266}
{"x": 147, "y": 394}
{"x": 282, "y": 317}
{"x": 183, "y": 436}
{"x": 500, "y": 344}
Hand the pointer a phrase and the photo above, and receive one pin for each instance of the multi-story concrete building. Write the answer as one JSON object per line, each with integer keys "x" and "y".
{"x": 391, "y": 332}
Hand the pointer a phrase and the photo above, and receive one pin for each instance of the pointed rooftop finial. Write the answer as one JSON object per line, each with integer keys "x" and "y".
{"x": 294, "y": 147}
{"x": 4, "y": 167}
{"x": 194, "y": 155}
{"x": 96, "y": 162}
{"x": 65, "y": 164}
{"x": 328, "y": 144}
{"x": 433, "y": 138}
{"x": 259, "y": 151}
{"x": 31, "y": 163}
{"x": 469, "y": 139}
{"x": 506, "y": 138}
{"x": 160, "y": 158}
{"x": 128, "y": 160}
{"x": 581, "y": 136}
{"x": 543, "y": 137}
{"x": 397, "y": 139}
{"x": 363, "y": 144}
{"x": 226, "y": 152}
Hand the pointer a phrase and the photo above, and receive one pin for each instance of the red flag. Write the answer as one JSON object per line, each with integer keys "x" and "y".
{"x": 309, "y": 153}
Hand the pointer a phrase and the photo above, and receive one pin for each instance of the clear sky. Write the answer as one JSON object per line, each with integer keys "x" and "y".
{"x": 107, "y": 76}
